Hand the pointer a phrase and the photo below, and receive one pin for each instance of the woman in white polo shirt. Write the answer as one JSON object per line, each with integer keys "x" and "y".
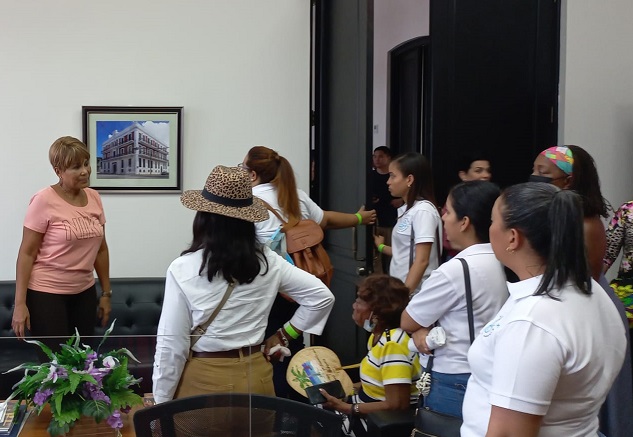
{"x": 442, "y": 299}
{"x": 415, "y": 242}
{"x": 544, "y": 364}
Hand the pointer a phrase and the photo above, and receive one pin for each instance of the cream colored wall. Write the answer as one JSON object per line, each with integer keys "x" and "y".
{"x": 240, "y": 68}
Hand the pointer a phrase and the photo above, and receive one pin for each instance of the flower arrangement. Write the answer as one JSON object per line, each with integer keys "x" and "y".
{"x": 79, "y": 381}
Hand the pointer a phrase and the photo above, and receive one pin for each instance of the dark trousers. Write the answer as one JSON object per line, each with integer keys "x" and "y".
{"x": 55, "y": 316}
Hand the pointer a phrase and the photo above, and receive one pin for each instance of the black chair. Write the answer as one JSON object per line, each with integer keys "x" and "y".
{"x": 235, "y": 415}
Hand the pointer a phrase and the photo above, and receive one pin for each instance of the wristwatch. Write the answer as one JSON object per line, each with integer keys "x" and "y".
{"x": 106, "y": 293}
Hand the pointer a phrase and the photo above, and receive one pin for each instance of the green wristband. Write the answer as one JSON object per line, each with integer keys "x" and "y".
{"x": 360, "y": 218}
{"x": 291, "y": 331}
{"x": 381, "y": 247}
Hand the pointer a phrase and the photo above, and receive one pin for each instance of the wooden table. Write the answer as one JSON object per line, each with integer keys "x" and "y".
{"x": 36, "y": 426}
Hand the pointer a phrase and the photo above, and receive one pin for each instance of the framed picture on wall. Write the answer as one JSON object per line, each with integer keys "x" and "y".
{"x": 134, "y": 149}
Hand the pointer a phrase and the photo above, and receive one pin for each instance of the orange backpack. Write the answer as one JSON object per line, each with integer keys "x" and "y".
{"x": 303, "y": 245}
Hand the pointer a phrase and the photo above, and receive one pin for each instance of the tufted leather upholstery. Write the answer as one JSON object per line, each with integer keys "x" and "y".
{"x": 136, "y": 304}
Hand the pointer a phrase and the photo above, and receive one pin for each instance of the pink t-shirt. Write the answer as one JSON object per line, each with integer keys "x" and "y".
{"x": 72, "y": 237}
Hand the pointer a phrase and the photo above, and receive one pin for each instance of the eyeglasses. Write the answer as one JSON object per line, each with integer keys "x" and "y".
{"x": 242, "y": 166}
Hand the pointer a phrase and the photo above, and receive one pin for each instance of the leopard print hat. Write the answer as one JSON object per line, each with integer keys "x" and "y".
{"x": 227, "y": 192}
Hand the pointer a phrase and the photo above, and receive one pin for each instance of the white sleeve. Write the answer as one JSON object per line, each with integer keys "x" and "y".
{"x": 527, "y": 364}
{"x": 436, "y": 297}
{"x": 314, "y": 211}
{"x": 314, "y": 298}
{"x": 172, "y": 341}
{"x": 425, "y": 224}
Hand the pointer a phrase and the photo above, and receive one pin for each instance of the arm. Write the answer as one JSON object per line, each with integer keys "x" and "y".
{"x": 397, "y": 397}
{"x": 596, "y": 244}
{"x": 615, "y": 237}
{"x": 30, "y": 246}
{"x": 420, "y": 263}
{"x": 339, "y": 220}
{"x": 102, "y": 267}
{"x": 418, "y": 332}
{"x": 172, "y": 341}
{"x": 510, "y": 423}
{"x": 380, "y": 239}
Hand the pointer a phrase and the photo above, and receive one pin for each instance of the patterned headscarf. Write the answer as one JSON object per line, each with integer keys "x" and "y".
{"x": 561, "y": 156}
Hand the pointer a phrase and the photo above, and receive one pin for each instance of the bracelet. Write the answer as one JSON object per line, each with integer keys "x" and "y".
{"x": 290, "y": 330}
{"x": 282, "y": 338}
{"x": 381, "y": 247}
{"x": 360, "y": 218}
{"x": 106, "y": 293}
{"x": 352, "y": 409}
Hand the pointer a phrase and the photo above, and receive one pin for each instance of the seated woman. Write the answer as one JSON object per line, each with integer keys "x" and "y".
{"x": 544, "y": 364}
{"x": 389, "y": 371}
{"x": 442, "y": 299}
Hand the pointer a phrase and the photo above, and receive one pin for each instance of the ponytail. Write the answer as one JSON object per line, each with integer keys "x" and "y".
{"x": 286, "y": 186}
{"x": 567, "y": 260}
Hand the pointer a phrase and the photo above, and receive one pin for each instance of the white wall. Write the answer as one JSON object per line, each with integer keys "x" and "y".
{"x": 240, "y": 68}
{"x": 395, "y": 21}
{"x": 596, "y": 89}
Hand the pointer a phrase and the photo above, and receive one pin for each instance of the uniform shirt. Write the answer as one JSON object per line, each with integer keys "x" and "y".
{"x": 190, "y": 299}
{"x": 443, "y": 299}
{"x": 427, "y": 226}
{"x": 268, "y": 193}
{"x": 552, "y": 358}
{"x": 389, "y": 362}
{"x": 72, "y": 236}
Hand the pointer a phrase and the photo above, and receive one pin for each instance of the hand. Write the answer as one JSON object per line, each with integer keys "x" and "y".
{"x": 419, "y": 339}
{"x": 270, "y": 342}
{"x": 103, "y": 312}
{"x": 21, "y": 319}
{"x": 378, "y": 240}
{"x": 368, "y": 217}
{"x": 335, "y": 403}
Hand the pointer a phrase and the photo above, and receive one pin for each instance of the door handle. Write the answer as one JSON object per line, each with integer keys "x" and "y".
{"x": 355, "y": 245}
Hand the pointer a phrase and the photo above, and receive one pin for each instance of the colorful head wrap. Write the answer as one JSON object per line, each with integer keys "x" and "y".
{"x": 561, "y": 156}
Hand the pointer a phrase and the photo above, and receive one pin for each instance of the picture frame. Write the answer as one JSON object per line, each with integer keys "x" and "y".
{"x": 134, "y": 149}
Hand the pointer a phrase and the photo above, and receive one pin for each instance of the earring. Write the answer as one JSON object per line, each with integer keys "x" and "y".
{"x": 510, "y": 250}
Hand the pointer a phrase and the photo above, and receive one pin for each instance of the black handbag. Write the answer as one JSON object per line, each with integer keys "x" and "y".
{"x": 430, "y": 423}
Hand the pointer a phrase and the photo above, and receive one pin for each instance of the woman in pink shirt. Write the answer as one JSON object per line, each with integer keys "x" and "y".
{"x": 63, "y": 243}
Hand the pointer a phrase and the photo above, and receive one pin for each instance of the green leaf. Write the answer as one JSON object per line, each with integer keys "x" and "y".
{"x": 105, "y": 335}
{"x": 123, "y": 398}
{"x": 97, "y": 409}
{"x": 75, "y": 379}
{"x": 47, "y": 350}
{"x": 57, "y": 429}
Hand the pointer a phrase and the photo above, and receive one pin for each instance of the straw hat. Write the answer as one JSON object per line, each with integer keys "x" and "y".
{"x": 227, "y": 192}
{"x": 316, "y": 365}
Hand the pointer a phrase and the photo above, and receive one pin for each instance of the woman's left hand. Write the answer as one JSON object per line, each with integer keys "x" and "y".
{"x": 335, "y": 403}
{"x": 103, "y": 312}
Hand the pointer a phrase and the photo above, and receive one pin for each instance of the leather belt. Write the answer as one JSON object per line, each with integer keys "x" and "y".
{"x": 235, "y": 353}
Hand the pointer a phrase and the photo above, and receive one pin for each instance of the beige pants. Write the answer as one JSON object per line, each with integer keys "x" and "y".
{"x": 249, "y": 374}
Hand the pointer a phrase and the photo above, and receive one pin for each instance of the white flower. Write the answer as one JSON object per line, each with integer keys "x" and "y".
{"x": 110, "y": 362}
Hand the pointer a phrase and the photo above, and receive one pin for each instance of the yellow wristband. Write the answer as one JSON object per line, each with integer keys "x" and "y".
{"x": 360, "y": 218}
{"x": 381, "y": 247}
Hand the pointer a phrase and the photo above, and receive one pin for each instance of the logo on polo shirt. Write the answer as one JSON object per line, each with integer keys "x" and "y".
{"x": 491, "y": 326}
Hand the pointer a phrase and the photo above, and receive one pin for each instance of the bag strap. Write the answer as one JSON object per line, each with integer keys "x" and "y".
{"x": 469, "y": 300}
{"x": 200, "y": 330}
{"x": 284, "y": 224}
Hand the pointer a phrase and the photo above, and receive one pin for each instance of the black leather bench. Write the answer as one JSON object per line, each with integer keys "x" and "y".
{"x": 136, "y": 306}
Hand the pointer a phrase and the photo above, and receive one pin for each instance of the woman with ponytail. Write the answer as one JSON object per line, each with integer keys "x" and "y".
{"x": 274, "y": 182}
{"x": 544, "y": 364}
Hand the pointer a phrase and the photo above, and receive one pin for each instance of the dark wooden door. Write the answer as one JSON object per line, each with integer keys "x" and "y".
{"x": 494, "y": 75}
{"x": 343, "y": 135}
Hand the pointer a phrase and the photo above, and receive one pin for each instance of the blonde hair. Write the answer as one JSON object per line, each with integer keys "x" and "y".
{"x": 66, "y": 151}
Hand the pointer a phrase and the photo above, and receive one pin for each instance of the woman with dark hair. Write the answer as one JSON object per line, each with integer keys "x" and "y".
{"x": 416, "y": 237}
{"x": 226, "y": 268}
{"x": 389, "y": 371}
{"x": 273, "y": 181}
{"x": 572, "y": 168}
{"x": 544, "y": 364}
{"x": 442, "y": 299}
